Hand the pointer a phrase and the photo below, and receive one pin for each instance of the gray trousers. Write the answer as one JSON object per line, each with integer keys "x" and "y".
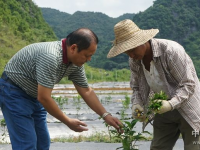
{"x": 167, "y": 128}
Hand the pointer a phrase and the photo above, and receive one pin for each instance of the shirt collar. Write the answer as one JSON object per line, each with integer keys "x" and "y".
{"x": 155, "y": 48}
{"x": 64, "y": 47}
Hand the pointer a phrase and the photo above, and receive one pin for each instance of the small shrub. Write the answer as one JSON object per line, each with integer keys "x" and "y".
{"x": 129, "y": 137}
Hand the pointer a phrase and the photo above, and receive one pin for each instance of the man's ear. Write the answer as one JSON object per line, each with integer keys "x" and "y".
{"x": 73, "y": 48}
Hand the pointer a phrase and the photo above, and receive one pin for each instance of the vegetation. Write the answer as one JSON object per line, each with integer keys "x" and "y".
{"x": 154, "y": 104}
{"x": 95, "y": 137}
{"x": 5, "y": 131}
{"x": 100, "y": 23}
{"x": 125, "y": 104}
{"x": 21, "y": 23}
{"x": 101, "y": 75}
{"x": 61, "y": 101}
{"x": 178, "y": 20}
{"x": 77, "y": 103}
{"x": 129, "y": 137}
{"x": 103, "y": 137}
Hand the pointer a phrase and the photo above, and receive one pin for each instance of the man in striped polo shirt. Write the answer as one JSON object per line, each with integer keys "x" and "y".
{"x": 27, "y": 83}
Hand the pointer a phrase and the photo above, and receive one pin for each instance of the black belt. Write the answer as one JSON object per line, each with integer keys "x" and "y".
{"x": 5, "y": 77}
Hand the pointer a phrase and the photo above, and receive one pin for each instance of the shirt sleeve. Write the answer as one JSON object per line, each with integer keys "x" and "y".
{"x": 46, "y": 66}
{"x": 182, "y": 69}
{"x": 78, "y": 77}
{"x": 135, "y": 98}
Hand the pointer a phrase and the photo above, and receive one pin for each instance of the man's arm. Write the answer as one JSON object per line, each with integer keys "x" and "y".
{"x": 44, "y": 97}
{"x": 181, "y": 69}
{"x": 93, "y": 102}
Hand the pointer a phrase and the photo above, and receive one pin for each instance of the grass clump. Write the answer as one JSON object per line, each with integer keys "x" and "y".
{"x": 96, "y": 137}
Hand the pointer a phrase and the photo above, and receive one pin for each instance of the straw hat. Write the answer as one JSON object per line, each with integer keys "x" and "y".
{"x": 128, "y": 36}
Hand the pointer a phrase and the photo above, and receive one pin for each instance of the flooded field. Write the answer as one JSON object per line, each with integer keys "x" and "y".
{"x": 114, "y": 96}
{"x": 110, "y": 94}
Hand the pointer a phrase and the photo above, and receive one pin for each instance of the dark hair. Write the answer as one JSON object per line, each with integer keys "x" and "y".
{"x": 82, "y": 37}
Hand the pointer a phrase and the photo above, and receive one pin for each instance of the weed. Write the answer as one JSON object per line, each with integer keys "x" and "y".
{"x": 95, "y": 137}
{"x": 125, "y": 104}
{"x": 77, "y": 103}
{"x": 61, "y": 101}
{"x": 129, "y": 137}
{"x": 5, "y": 132}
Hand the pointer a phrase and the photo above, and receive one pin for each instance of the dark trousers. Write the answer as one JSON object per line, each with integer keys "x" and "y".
{"x": 167, "y": 129}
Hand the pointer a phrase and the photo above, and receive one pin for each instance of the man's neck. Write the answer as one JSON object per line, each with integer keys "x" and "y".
{"x": 149, "y": 52}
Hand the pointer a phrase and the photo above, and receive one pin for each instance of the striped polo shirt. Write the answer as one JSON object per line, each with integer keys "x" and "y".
{"x": 42, "y": 63}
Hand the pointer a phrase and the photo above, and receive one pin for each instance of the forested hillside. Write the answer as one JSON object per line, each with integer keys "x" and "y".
{"x": 64, "y": 23}
{"x": 177, "y": 20}
{"x": 21, "y": 23}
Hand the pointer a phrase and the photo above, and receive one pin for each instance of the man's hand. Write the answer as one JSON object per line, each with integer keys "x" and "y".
{"x": 113, "y": 121}
{"x": 138, "y": 113}
{"x": 77, "y": 125}
{"x": 166, "y": 106}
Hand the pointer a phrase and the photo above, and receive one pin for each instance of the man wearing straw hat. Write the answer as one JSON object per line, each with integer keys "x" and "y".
{"x": 160, "y": 64}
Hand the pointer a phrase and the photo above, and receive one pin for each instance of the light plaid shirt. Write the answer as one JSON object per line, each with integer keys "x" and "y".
{"x": 177, "y": 71}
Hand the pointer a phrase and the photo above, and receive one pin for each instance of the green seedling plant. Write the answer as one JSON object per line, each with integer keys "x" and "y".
{"x": 5, "y": 132}
{"x": 122, "y": 114}
{"x": 108, "y": 99}
{"x": 125, "y": 104}
{"x": 77, "y": 102}
{"x": 129, "y": 137}
{"x": 61, "y": 101}
{"x": 156, "y": 105}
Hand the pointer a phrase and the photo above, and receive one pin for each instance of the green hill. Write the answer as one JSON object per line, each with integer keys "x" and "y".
{"x": 64, "y": 23}
{"x": 21, "y": 23}
{"x": 178, "y": 20}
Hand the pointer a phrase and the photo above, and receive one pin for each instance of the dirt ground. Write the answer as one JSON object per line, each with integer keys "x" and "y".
{"x": 94, "y": 146}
